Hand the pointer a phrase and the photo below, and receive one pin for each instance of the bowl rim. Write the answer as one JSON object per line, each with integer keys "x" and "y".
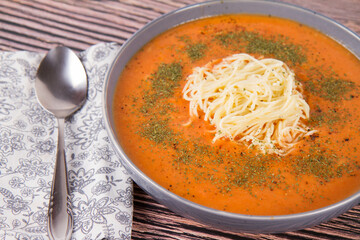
{"x": 131, "y": 167}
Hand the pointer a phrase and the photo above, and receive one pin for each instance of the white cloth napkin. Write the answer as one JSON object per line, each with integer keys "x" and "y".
{"x": 101, "y": 190}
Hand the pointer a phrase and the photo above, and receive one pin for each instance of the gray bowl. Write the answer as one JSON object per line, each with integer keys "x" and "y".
{"x": 220, "y": 219}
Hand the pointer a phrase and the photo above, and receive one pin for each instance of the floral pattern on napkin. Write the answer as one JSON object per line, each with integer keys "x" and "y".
{"x": 101, "y": 190}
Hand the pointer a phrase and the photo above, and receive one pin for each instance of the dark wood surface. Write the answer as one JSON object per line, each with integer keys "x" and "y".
{"x": 40, "y": 25}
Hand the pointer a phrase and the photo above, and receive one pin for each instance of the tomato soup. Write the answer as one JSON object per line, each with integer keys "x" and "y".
{"x": 152, "y": 118}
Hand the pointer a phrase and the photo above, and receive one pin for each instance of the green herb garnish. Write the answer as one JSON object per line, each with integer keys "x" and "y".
{"x": 166, "y": 78}
{"x": 163, "y": 82}
{"x": 328, "y": 85}
{"x": 278, "y": 47}
{"x": 196, "y": 51}
{"x": 158, "y": 131}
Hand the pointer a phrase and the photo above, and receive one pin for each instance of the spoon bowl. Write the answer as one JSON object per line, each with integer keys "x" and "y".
{"x": 62, "y": 83}
{"x": 61, "y": 88}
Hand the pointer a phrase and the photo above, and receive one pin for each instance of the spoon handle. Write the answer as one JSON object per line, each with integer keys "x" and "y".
{"x": 60, "y": 213}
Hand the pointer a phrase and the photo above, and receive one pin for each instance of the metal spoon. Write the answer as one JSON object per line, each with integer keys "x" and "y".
{"x": 61, "y": 88}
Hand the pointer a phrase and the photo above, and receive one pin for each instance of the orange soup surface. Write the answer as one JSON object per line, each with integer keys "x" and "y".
{"x": 151, "y": 116}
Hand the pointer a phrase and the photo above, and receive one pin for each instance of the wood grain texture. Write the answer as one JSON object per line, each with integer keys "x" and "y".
{"x": 39, "y": 25}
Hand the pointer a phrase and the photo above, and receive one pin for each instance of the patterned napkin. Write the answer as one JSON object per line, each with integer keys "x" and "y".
{"x": 101, "y": 190}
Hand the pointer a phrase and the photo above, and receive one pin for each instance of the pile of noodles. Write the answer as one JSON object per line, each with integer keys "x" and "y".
{"x": 257, "y": 102}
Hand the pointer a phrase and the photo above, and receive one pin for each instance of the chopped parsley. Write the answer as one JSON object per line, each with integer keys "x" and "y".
{"x": 166, "y": 78}
{"x": 158, "y": 131}
{"x": 320, "y": 117}
{"x": 322, "y": 164}
{"x": 163, "y": 82}
{"x": 195, "y": 51}
{"x": 328, "y": 85}
{"x": 251, "y": 42}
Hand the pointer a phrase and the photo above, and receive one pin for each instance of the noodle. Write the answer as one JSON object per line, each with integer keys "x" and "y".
{"x": 257, "y": 102}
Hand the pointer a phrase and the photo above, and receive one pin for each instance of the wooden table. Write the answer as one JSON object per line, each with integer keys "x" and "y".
{"x": 38, "y": 25}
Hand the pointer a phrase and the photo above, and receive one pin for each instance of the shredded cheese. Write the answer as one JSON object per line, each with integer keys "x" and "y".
{"x": 257, "y": 102}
